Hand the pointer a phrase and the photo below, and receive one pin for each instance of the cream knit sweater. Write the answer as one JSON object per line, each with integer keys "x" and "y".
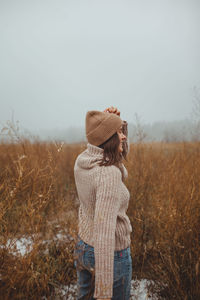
{"x": 103, "y": 222}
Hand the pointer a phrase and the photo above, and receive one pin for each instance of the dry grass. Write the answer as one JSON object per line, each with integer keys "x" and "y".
{"x": 37, "y": 195}
{"x": 38, "y": 200}
{"x": 165, "y": 215}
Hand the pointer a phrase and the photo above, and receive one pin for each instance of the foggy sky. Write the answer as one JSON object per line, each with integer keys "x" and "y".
{"x": 61, "y": 58}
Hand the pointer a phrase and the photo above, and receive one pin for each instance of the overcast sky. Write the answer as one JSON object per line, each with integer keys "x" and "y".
{"x": 61, "y": 58}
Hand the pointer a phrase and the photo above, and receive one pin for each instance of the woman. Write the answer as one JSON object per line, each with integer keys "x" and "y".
{"x": 102, "y": 253}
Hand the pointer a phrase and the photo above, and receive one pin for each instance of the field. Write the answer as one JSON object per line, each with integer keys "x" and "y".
{"x": 38, "y": 203}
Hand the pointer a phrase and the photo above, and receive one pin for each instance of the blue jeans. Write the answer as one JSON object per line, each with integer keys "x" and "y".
{"x": 84, "y": 262}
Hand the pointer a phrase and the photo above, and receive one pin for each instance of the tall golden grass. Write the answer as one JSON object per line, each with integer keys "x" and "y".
{"x": 38, "y": 200}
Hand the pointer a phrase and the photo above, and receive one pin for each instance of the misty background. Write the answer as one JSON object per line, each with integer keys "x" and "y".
{"x": 61, "y": 58}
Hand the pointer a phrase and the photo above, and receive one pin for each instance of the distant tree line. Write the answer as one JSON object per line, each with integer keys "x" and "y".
{"x": 176, "y": 131}
{"x": 162, "y": 131}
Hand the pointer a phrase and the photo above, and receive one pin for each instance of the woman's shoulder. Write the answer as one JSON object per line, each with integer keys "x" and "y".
{"x": 110, "y": 171}
{"x": 120, "y": 171}
{"x": 107, "y": 175}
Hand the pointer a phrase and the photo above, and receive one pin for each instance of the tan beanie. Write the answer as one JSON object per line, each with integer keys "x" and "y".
{"x": 100, "y": 126}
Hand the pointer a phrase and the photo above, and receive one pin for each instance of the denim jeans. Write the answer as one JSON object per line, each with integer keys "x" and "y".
{"x": 84, "y": 261}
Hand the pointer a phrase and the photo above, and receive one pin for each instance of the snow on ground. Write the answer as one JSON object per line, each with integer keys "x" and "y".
{"x": 25, "y": 245}
{"x": 20, "y": 246}
{"x": 138, "y": 291}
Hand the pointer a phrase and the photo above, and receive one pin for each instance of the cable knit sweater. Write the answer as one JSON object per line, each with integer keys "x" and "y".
{"x": 103, "y": 222}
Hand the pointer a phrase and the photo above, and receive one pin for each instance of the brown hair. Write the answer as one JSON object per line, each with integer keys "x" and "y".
{"x": 111, "y": 154}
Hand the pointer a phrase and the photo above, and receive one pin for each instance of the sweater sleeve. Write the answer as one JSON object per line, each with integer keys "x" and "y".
{"x": 106, "y": 209}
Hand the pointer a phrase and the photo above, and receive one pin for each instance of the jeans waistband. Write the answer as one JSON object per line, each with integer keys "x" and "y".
{"x": 117, "y": 253}
{"x": 122, "y": 253}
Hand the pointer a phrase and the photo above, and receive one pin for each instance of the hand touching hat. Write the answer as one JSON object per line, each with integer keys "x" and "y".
{"x": 113, "y": 110}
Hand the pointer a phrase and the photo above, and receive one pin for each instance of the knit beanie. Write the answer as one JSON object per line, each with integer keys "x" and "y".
{"x": 100, "y": 126}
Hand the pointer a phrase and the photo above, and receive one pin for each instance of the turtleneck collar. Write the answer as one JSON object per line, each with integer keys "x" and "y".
{"x": 97, "y": 155}
{"x": 94, "y": 150}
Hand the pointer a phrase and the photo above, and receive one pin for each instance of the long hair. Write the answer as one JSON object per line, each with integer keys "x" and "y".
{"x": 111, "y": 154}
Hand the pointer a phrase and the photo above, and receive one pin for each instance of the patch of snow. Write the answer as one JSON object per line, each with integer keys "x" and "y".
{"x": 63, "y": 236}
{"x": 24, "y": 245}
{"x": 138, "y": 291}
{"x": 20, "y": 246}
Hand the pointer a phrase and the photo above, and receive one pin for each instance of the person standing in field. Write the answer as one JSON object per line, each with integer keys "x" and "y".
{"x": 102, "y": 252}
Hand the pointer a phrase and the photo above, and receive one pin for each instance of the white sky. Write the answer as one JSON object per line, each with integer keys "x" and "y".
{"x": 61, "y": 58}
